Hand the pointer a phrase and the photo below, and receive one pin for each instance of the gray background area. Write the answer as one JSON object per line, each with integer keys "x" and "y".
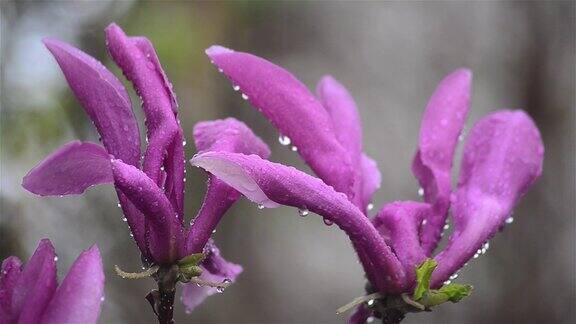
{"x": 390, "y": 55}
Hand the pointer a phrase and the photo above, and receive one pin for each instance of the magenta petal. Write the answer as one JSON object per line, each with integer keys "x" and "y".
{"x": 71, "y": 169}
{"x": 10, "y": 272}
{"x": 344, "y": 114}
{"x": 226, "y": 135}
{"x": 399, "y": 223}
{"x": 139, "y": 62}
{"x": 295, "y": 112}
{"x": 503, "y": 157}
{"x": 103, "y": 97}
{"x": 79, "y": 297}
{"x": 271, "y": 184}
{"x": 215, "y": 269}
{"x": 360, "y": 315}
{"x": 36, "y": 284}
{"x": 370, "y": 178}
{"x": 441, "y": 126}
{"x": 165, "y": 230}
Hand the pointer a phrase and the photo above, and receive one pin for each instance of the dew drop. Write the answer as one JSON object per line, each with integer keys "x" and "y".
{"x": 119, "y": 206}
{"x": 220, "y": 70}
{"x": 328, "y": 222}
{"x": 370, "y": 206}
{"x": 420, "y": 192}
{"x": 509, "y": 220}
{"x": 55, "y": 258}
{"x": 303, "y": 212}
{"x": 162, "y": 168}
{"x": 260, "y": 206}
{"x": 454, "y": 276}
{"x": 214, "y": 231}
{"x": 184, "y": 143}
{"x": 294, "y": 149}
{"x": 446, "y": 227}
{"x": 236, "y": 87}
{"x": 244, "y": 96}
{"x": 447, "y": 282}
{"x": 284, "y": 140}
{"x": 125, "y": 219}
{"x": 102, "y": 299}
{"x": 370, "y": 302}
{"x": 476, "y": 255}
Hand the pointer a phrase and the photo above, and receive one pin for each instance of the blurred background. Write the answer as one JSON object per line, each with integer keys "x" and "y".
{"x": 390, "y": 55}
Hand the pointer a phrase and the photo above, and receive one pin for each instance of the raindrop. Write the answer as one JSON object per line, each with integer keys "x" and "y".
{"x": 454, "y": 276}
{"x": 55, "y": 258}
{"x": 260, "y": 206}
{"x": 424, "y": 222}
{"x": 125, "y": 219}
{"x": 328, "y": 222}
{"x": 119, "y": 206}
{"x": 509, "y": 220}
{"x": 476, "y": 255}
{"x": 102, "y": 299}
{"x": 446, "y": 227}
{"x": 236, "y": 87}
{"x": 447, "y": 282}
{"x": 244, "y": 96}
{"x": 370, "y": 302}
{"x": 420, "y": 192}
{"x": 162, "y": 168}
{"x": 184, "y": 143}
{"x": 214, "y": 231}
{"x": 220, "y": 70}
{"x": 284, "y": 140}
{"x": 303, "y": 212}
{"x": 370, "y": 206}
{"x": 294, "y": 148}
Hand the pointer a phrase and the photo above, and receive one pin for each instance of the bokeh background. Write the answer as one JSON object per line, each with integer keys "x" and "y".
{"x": 390, "y": 55}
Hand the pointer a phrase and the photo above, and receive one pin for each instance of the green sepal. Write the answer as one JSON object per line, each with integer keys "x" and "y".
{"x": 192, "y": 259}
{"x": 432, "y": 297}
{"x": 190, "y": 271}
{"x": 451, "y": 292}
{"x": 423, "y": 275}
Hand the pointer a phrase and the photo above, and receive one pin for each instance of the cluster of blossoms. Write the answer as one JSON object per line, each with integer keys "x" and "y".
{"x": 502, "y": 158}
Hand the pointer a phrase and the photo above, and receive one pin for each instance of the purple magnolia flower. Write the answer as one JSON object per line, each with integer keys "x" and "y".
{"x": 503, "y": 157}
{"x": 30, "y": 293}
{"x": 150, "y": 188}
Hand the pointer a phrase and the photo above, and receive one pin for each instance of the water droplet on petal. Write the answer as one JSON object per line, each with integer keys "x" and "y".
{"x": 55, "y": 258}
{"x": 509, "y": 220}
{"x": 284, "y": 140}
{"x": 294, "y": 149}
{"x": 236, "y": 87}
{"x": 102, "y": 299}
{"x": 260, "y": 206}
{"x": 328, "y": 222}
{"x": 370, "y": 206}
{"x": 125, "y": 219}
{"x": 370, "y": 302}
{"x": 303, "y": 212}
{"x": 420, "y": 192}
{"x": 244, "y": 96}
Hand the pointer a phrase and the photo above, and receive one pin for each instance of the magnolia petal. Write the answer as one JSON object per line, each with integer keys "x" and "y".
{"x": 70, "y": 169}
{"x": 361, "y": 315}
{"x": 226, "y": 135}
{"x": 139, "y": 62}
{"x": 399, "y": 223}
{"x": 36, "y": 284}
{"x": 271, "y": 184}
{"x": 503, "y": 157}
{"x": 165, "y": 230}
{"x": 344, "y": 114}
{"x": 103, "y": 97}
{"x": 10, "y": 272}
{"x": 371, "y": 178}
{"x": 441, "y": 126}
{"x": 293, "y": 110}
{"x": 214, "y": 269}
{"x": 80, "y": 296}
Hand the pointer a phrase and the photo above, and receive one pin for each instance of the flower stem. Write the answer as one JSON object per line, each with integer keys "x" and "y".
{"x": 162, "y": 300}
